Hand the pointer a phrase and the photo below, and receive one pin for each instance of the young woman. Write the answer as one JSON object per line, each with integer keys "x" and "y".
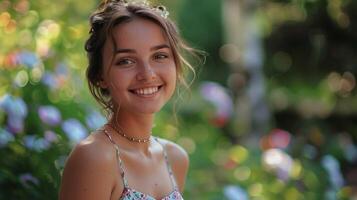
{"x": 134, "y": 65}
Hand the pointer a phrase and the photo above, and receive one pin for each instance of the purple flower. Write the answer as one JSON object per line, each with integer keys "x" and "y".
{"x": 36, "y": 144}
{"x": 61, "y": 69}
{"x": 5, "y": 137}
{"x": 49, "y": 80}
{"x": 27, "y": 179}
{"x": 13, "y": 106}
{"x": 5, "y": 102}
{"x": 49, "y": 115}
{"x": 27, "y": 58}
{"x": 95, "y": 120}
{"x": 279, "y": 162}
{"x": 333, "y": 169}
{"x": 16, "y": 110}
{"x": 51, "y": 136}
{"x": 29, "y": 141}
{"x": 15, "y": 124}
{"x": 219, "y": 97}
{"x": 233, "y": 192}
{"x": 74, "y": 130}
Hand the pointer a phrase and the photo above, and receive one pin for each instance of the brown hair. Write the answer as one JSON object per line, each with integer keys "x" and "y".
{"x": 114, "y": 12}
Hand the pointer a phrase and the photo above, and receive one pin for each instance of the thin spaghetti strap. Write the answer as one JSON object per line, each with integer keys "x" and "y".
{"x": 169, "y": 169}
{"x": 120, "y": 162}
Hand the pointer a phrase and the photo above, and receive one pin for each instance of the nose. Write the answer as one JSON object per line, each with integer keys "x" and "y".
{"x": 146, "y": 73}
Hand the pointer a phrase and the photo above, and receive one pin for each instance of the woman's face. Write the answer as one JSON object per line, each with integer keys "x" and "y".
{"x": 142, "y": 76}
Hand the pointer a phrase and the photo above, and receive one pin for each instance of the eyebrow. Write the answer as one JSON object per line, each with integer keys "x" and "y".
{"x": 161, "y": 46}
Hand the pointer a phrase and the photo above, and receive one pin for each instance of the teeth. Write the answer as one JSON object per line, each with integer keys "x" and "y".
{"x": 146, "y": 91}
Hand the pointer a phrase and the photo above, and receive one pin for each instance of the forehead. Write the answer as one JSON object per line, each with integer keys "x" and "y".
{"x": 138, "y": 33}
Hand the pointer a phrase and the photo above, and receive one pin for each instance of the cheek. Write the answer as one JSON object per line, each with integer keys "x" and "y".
{"x": 116, "y": 81}
{"x": 173, "y": 71}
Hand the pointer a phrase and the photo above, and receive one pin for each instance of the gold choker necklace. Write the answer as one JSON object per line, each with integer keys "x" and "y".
{"x": 131, "y": 139}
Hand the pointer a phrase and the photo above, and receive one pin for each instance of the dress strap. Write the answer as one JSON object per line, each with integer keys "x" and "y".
{"x": 169, "y": 169}
{"x": 120, "y": 162}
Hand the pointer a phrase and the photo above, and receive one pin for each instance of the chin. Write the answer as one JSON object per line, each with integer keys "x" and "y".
{"x": 149, "y": 110}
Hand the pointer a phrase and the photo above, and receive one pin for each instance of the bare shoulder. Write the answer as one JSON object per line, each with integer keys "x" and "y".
{"x": 179, "y": 161}
{"x": 175, "y": 151}
{"x": 88, "y": 173}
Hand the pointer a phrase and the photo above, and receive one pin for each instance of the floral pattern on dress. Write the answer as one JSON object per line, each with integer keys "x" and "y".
{"x": 131, "y": 194}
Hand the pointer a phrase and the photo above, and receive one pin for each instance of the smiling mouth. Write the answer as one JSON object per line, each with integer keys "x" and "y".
{"x": 148, "y": 91}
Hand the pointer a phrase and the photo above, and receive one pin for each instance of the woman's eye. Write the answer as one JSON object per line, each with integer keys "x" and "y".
{"x": 161, "y": 56}
{"x": 125, "y": 62}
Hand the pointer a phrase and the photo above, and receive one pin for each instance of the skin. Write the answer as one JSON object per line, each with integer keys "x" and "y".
{"x": 143, "y": 59}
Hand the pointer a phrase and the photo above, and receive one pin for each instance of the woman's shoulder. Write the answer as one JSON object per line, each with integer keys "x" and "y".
{"x": 88, "y": 167}
{"x": 174, "y": 150}
{"x": 178, "y": 159}
{"x": 96, "y": 147}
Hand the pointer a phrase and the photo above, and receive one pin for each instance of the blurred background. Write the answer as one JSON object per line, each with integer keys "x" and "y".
{"x": 271, "y": 115}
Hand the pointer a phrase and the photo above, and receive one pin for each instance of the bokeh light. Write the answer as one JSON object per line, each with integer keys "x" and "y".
{"x": 271, "y": 114}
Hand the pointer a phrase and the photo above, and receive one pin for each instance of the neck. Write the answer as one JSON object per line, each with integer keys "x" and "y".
{"x": 138, "y": 126}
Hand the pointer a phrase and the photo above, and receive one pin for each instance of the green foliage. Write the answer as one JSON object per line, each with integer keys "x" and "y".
{"x": 309, "y": 66}
{"x": 201, "y": 25}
